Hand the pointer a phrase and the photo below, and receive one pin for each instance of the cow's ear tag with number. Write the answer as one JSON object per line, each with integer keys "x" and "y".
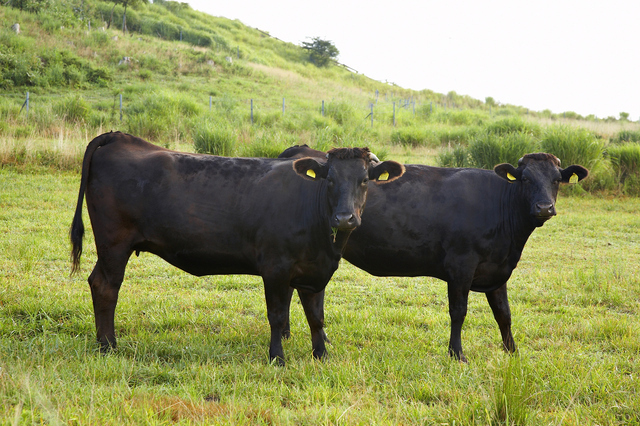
{"x": 511, "y": 177}
{"x": 384, "y": 176}
{"x": 573, "y": 178}
{"x": 311, "y": 173}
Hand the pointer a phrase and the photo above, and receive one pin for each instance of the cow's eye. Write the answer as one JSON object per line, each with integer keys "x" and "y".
{"x": 365, "y": 180}
{"x": 525, "y": 179}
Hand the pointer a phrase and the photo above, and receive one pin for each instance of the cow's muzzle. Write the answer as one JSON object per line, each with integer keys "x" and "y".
{"x": 345, "y": 221}
{"x": 544, "y": 211}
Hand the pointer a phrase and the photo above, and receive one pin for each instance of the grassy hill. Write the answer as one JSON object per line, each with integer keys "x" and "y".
{"x": 191, "y": 81}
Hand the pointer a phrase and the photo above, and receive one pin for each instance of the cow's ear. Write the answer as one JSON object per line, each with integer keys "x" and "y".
{"x": 310, "y": 169}
{"x": 386, "y": 171}
{"x": 507, "y": 172}
{"x": 573, "y": 174}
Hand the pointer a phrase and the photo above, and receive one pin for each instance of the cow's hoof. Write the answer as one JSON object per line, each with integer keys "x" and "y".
{"x": 107, "y": 346}
{"x": 278, "y": 361}
{"x": 458, "y": 356}
{"x": 320, "y": 355}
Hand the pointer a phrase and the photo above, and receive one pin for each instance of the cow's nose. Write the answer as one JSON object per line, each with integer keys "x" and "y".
{"x": 545, "y": 209}
{"x": 345, "y": 221}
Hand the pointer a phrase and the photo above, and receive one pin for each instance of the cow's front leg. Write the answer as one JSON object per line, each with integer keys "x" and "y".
{"x": 286, "y": 333}
{"x": 458, "y": 299}
{"x": 313, "y": 304}
{"x": 499, "y": 303}
{"x": 277, "y": 296}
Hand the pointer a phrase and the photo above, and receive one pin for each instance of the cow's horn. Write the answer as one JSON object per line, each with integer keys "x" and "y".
{"x": 373, "y": 158}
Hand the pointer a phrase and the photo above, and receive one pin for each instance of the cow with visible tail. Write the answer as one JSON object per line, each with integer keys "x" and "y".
{"x": 285, "y": 220}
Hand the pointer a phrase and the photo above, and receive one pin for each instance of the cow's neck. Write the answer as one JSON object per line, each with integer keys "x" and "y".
{"x": 516, "y": 217}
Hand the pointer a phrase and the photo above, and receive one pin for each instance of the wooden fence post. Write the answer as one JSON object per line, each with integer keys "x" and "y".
{"x": 394, "y": 114}
{"x": 372, "y": 116}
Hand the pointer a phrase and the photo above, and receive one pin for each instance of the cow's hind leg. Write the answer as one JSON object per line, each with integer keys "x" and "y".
{"x": 105, "y": 282}
{"x": 499, "y": 303}
{"x": 313, "y": 304}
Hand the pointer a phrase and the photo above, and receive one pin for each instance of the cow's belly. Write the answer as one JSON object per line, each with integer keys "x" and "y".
{"x": 201, "y": 262}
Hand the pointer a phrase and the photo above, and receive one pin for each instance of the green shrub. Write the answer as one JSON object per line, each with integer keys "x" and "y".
{"x": 489, "y": 149}
{"x": 73, "y": 109}
{"x": 328, "y": 137}
{"x": 99, "y": 39}
{"x": 625, "y": 136}
{"x": 602, "y": 177}
{"x": 268, "y": 145}
{"x": 148, "y": 126}
{"x": 625, "y": 160}
{"x": 572, "y": 145}
{"x": 215, "y": 139}
{"x": 456, "y": 135}
{"x": 456, "y": 156}
{"x": 100, "y": 76}
{"x": 513, "y": 124}
{"x": 170, "y": 106}
{"x": 409, "y": 136}
{"x": 145, "y": 75}
{"x": 342, "y": 112}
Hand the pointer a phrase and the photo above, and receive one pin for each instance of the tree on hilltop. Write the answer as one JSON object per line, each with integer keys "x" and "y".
{"x": 321, "y": 52}
{"x": 125, "y": 3}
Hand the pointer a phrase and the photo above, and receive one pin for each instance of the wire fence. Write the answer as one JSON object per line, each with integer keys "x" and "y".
{"x": 386, "y": 107}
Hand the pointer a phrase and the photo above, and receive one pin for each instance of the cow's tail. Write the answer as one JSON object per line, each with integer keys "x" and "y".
{"x": 76, "y": 233}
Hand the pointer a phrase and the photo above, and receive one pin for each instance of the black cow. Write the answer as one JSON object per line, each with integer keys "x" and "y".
{"x": 465, "y": 226}
{"x": 287, "y": 221}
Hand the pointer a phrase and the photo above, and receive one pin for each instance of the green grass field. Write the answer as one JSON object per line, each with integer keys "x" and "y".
{"x": 194, "y": 350}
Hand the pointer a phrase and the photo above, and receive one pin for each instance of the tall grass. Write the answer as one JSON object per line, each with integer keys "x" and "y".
{"x": 211, "y": 137}
{"x": 625, "y": 136}
{"x": 73, "y": 108}
{"x": 513, "y": 124}
{"x": 455, "y": 156}
{"x": 490, "y": 149}
{"x": 573, "y": 145}
{"x": 625, "y": 160}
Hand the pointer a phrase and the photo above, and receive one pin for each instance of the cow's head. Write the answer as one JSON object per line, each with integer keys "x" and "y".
{"x": 346, "y": 173}
{"x": 538, "y": 177}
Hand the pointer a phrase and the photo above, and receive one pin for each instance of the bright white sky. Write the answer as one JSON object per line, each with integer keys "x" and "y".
{"x": 562, "y": 55}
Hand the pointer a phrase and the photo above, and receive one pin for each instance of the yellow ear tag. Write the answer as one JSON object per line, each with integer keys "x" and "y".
{"x": 510, "y": 176}
{"x": 384, "y": 176}
{"x": 311, "y": 173}
{"x": 573, "y": 178}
